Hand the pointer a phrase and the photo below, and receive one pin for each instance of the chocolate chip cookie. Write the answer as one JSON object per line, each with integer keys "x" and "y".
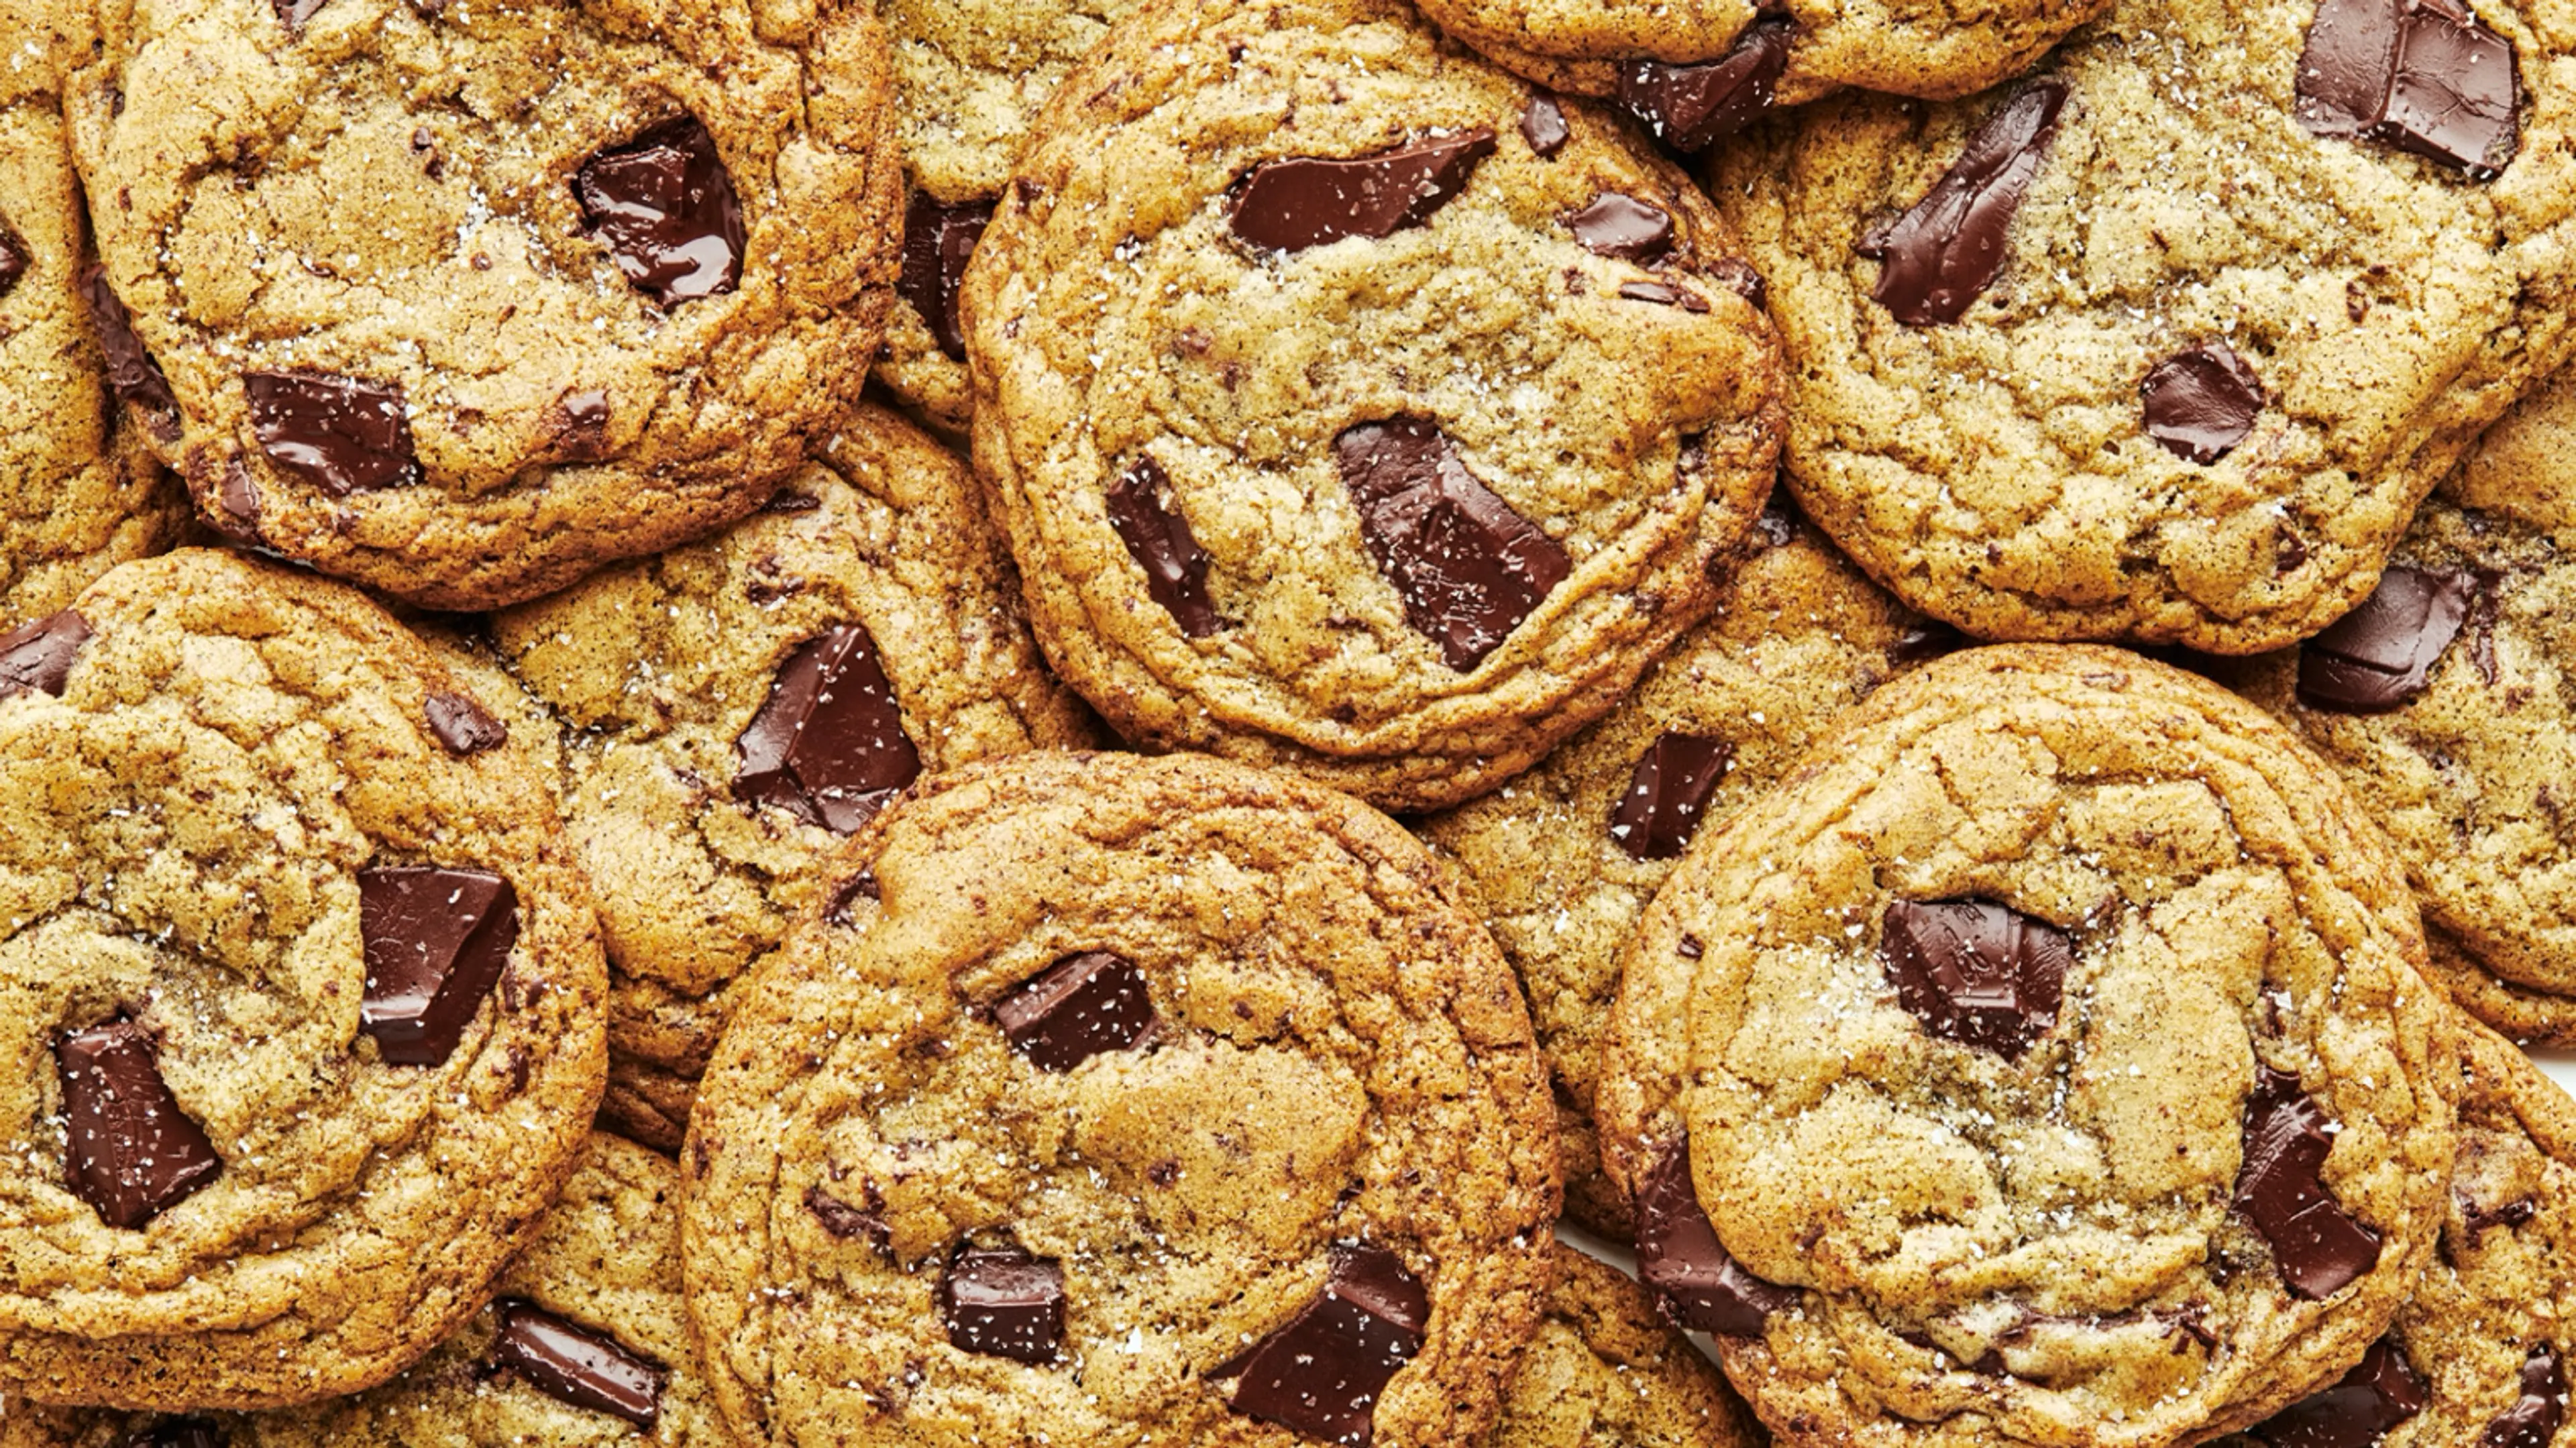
{"x": 1352, "y": 407}
{"x": 741, "y": 704}
{"x": 1564, "y": 858}
{"x": 1606, "y": 1371}
{"x": 2045, "y": 1060}
{"x": 463, "y": 301}
{"x": 2167, "y": 341}
{"x": 303, "y": 994}
{"x": 1105, "y": 1095}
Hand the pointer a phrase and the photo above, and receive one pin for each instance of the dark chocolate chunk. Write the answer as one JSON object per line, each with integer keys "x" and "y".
{"x": 861, "y": 886}
{"x": 2318, "y": 1245}
{"x": 293, "y": 13}
{"x": 131, "y": 373}
{"x": 577, "y": 427}
{"x": 1543, "y": 126}
{"x": 2200, "y": 404}
{"x": 1469, "y": 568}
{"x": 845, "y": 1221}
{"x": 665, "y": 208}
{"x": 2534, "y": 1419}
{"x": 338, "y": 433}
{"x": 14, "y": 257}
{"x": 180, "y": 1433}
{"x": 2420, "y": 75}
{"x": 828, "y": 747}
{"x": 436, "y": 941}
{"x": 1002, "y": 1302}
{"x": 938, "y": 240}
{"x": 464, "y": 726}
{"x": 1976, "y": 972}
{"x": 133, "y": 1154}
{"x": 1691, "y": 107}
{"x": 576, "y": 1365}
{"x": 1623, "y": 226}
{"x": 1159, "y": 539}
{"x": 238, "y": 497}
{"x": 1075, "y": 1009}
{"x": 2378, "y": 657}
{"x": 2382, "y": 1391}
{"x": 1941, "y": 256}
{"x": 1738, "y": 276}
{"x": 1663, "y": 296}
{"x": 1321, "y": 1373}
{"x": 1678, "y": 1255}
{"x": 1309, "y": 201}
{"x": 2515, "y": 1213}
{"x": 38, "y": 657}
{"x": 1926, "y": 641}
{"x": 1655, "y": 818}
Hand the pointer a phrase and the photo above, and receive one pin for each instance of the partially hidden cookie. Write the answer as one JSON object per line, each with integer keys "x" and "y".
{"x": 1117, "y": 1098}
{"x": 1353, "y": 408}
{"x": 462, "y": 301}
{"x": 1607, "y": 1371}
{"x": 2166, "y": 341}
{"x": 2044, "y": 1061}
{"x": 304, "y": 999}
{"x": 1564, "y": 858}
{"x": 738, "y": 705}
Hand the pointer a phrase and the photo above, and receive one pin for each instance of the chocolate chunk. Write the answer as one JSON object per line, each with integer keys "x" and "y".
{"x": 39, "y": 656}
{"x": 1738, "y": 276}
{"x": 15, "y": 259}
{"x": 1691, "y": 107}
{"x": 2515, "y": 1213}
{"x": 2534, "y": 1419}
{"x": 828, "y": 747}
{"x": 464, "y": 726}
{"x": 1159, "y": 539}
{"x": 1941, "y": 256}
{"x": 1678, "y": 1255}
{"x": 1976, "y": 972}
{"x": 938, "y": 240}
{"x": 2318, "y": 1245}
{"x": 861, "y": 886}
{"x": 1663, "y": 296}
{"x": 338, "y": 433}
{"x": 293, "y": 13}
{"x": 2200, "y": 404}
{"x": 131, "y": 373}
{"x": 576, "y": 1365}
{"x": 2378, "y": 657}
{"x": 1469, "y": 568}
{"x": 436, "y": 941}
{"x": 845, "y": 1221}
{"x": 239, "y": 499}
{"x": 2421, "y": 75}
{"x": 1075, "y": 1009}
{"x": 1655, "y": 818}
{"x": 1308, "y": 201}
{"x": 1926, "y": 641}
{"x": 1543, "y": 126}
{"x": 664, "y": 206}
{"x": 2382, "y": 1391}
{"x": 577, "y": 427}
{"x": 180, "y": 1433}
{"x": 1624, "y": 227}
{"x": 1322, "y": 1372}
{"x": 133, "y": 1154}
{"x": 1002, "y": 1302}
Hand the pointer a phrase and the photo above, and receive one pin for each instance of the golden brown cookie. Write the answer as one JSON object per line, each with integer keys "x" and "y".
{"x": 1607, "y": 1372}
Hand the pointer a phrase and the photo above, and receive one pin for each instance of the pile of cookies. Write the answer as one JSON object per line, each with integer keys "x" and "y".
{"x": 1012, "y": 722}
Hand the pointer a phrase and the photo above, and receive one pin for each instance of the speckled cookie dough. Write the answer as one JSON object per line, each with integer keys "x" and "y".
{"x": 302, "y": 1018}
{"x": 462, "y": 301}
{"x": 1607, "y": 1372}
{"x": 2045, "y": 1061}
{"x": 1121, "y": 1101}
{"x": 1386, "y": 446}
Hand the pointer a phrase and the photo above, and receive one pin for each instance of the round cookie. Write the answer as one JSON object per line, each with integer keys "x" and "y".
{"x": 1118, "y": 1098}
{"x": 2044, "y": 1061}
{"x": 1564, "y": 858}
{"x": 462, "y": 302}
{"x": 304, "y": 997}
{"x": 1386, "y": 446}
{"x": 586, "y": 1343}
{"x": 2166, "y": 342}
{"x": 1607, "y": 1372}
{"x": 874, "y": 578}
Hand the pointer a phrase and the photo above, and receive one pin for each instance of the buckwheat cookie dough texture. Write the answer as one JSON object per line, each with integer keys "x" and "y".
{"x": 740, "y": 704}
{"x": 2045, "y": 1061}
{"x": 1121, "y": 1101}
{"x": 1606, "y": 1371}
{"x": 304, "y": 995}
{"x": 2167, "y": 341}
{"x": 1351, "y": 407}
{"x": 462, "y": 301}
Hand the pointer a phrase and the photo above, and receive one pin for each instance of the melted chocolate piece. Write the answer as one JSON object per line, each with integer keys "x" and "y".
{"x": 293, "y": 13}
{"x": 578, "y": 1366}
{"x": 1075, "y": 1009}
{"x": 938, "y": 240}
{"x": 845, "y": 1221}
{"x": 2378, "y": 657}
{"x": 1306, "y": 201}
{"x": 133, "y": 1154}
{"x": 1002, "y": 1302}
{"x": 1469, "y": 568}
{"x": 861, "y": 886}
{"x": 2200, "y": 404}
{"x": 1941, "y": 256}
{"x": 665, "y": 208}
{"x": 1976, "y": 972}
{"x": 1655, "y": 818}
{"x": 2515, "y": 1213}
{"x": 1663, "y": 296}
{"x": 1691, "y": 107}
{"x": 1543, "y": 126}
{"x": 1678, "y": 1255}
{"x": 38, "y": 657}
{"x": 340, "y": 434}
{"x": 436, "y": 941}
{"x": 1321, "y": 1373}
{"x": 1624, "y": 227}
{"x": 14, "y": 258}
{"x": 2535, "y": 1417}
{"x": 828, "y": 747}
{"x": 180, "y": 1433}
{"x": 2318, "y": 1245}
{"x": 464, "y": 726}
{"x": 2382, "y": 1391}
{"x": 131, "y": 373}
{"x": 1159, "y": 539}
{"x": 2421, "y": 75}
